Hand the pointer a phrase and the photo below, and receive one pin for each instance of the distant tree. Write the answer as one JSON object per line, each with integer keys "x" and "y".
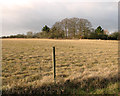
{"x": 46, "y": 28}
{"x": 53, "y": 32}
{"x": 37, "y": 35}
{"x": 99, "y": 30}
{"x": 20, "y": 36}
{"x": 100, "y": 34}
{"x": 106, "y": 32}
{"x": 56, "y": 33}
{"x": 74, "y": 27}
{"x": 4, "y": 36}
{"x": 29, "y": 34}
{"x": 15, "y": 36}
{"x": 114, "y": 36}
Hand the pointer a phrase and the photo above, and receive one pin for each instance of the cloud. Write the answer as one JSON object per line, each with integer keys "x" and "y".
{"x": 33, "y": 15}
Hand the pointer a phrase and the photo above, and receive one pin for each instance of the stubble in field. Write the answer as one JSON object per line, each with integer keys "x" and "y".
{"x": 28, "y": 62}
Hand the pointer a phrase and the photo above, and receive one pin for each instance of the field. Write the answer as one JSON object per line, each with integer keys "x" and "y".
{"x": 82, "y": 66}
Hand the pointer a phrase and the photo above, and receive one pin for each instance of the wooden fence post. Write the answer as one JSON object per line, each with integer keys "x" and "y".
{"x": 54, "y": 63}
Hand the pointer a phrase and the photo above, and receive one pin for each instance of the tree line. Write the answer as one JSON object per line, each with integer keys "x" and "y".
{"x": 72, "y": 28}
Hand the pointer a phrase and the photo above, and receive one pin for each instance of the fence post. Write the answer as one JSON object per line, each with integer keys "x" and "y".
{"x": 54, "y": 63}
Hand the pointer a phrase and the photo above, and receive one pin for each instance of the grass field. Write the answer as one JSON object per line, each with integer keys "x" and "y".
{"x": 82, "y": 66}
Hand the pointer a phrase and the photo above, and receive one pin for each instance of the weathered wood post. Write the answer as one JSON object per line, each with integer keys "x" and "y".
{"x": 54, "y": 63}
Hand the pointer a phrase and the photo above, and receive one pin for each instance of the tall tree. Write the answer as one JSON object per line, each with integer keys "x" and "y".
{"x": 99, "y": 30}
{"x": 73, "y": 27}
{"x": 100, "y": 34}
{"x": 46, "y": 28}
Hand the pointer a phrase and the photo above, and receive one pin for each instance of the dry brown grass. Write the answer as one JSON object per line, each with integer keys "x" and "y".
{"x": 27, "y": 63}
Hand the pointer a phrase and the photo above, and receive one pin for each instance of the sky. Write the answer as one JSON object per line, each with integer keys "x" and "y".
{"x": 21, "y": 16}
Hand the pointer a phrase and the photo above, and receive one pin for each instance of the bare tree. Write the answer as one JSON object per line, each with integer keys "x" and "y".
{"x": 73, "y": 27}
{"x": 29, "y": 34}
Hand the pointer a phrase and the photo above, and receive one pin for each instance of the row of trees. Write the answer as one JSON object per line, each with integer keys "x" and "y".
{"x": 70, "y": 28}
{"x": 98, "y": 33}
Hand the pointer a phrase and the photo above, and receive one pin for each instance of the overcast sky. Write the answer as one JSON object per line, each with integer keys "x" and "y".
{"x": 21, "y": 16}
